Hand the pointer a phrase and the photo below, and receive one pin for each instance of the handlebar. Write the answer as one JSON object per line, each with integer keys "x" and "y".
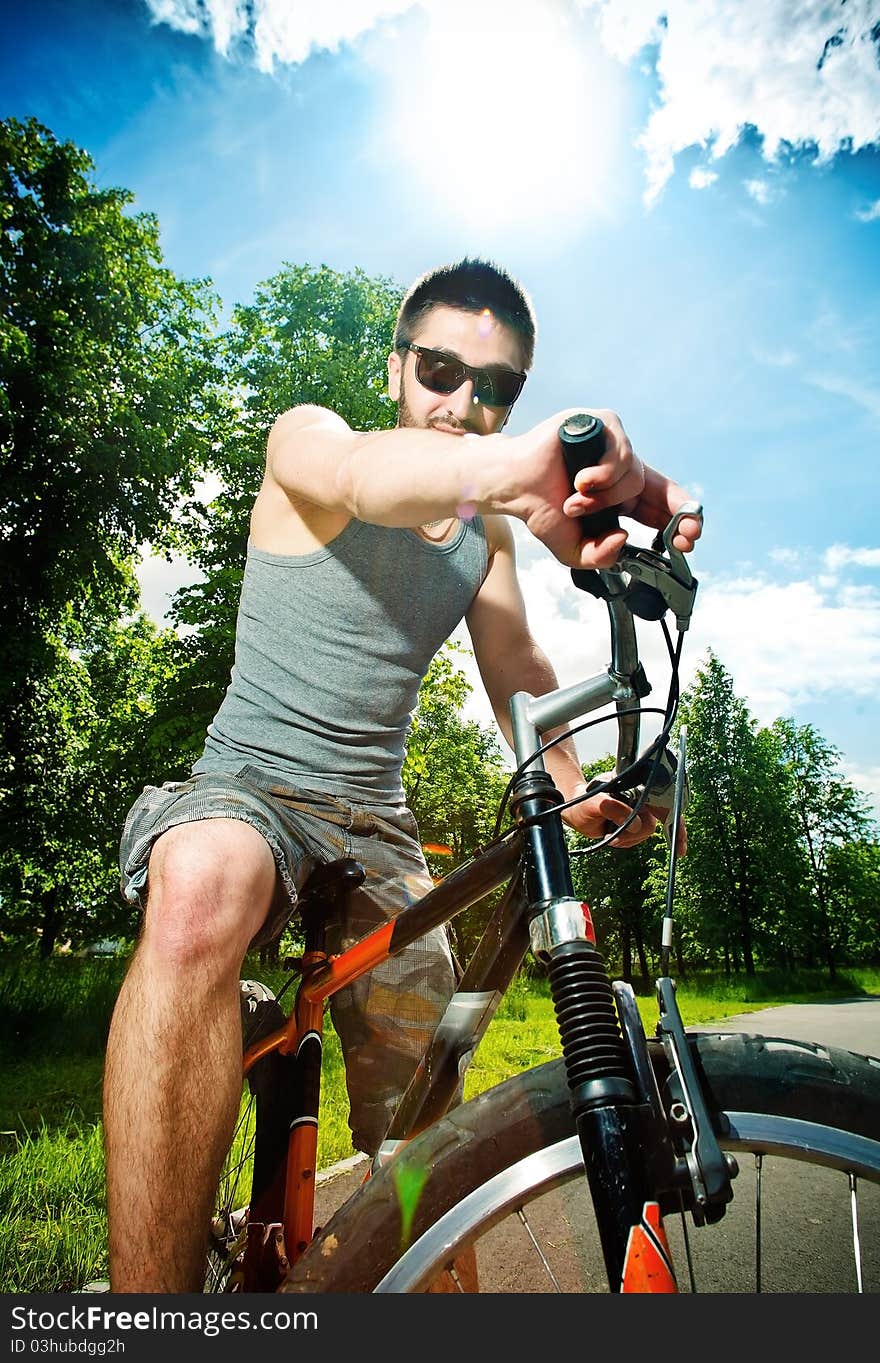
{"x": 583, "y": 444}
{"x": 643, "y": 583}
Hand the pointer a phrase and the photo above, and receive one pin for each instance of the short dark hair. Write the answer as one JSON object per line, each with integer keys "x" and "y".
{"x": 472, "y": 285}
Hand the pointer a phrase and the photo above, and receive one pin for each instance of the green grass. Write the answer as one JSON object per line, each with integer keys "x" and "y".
{"x": 61, "y": 1006}
{"x": 509, "y": 1046}
{"x": 52, "y": 1228}
{"x": 711, "y": 998}
{"x": 52, "y": 1225}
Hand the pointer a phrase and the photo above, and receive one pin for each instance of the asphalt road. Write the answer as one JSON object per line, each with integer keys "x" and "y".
{"x": 806, "y": 1220}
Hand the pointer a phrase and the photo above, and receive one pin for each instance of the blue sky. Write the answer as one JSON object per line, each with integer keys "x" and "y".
{"x": 690, "y": 192}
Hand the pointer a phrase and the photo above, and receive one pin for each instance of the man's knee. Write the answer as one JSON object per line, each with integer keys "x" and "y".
{"x": 210, "y": 887}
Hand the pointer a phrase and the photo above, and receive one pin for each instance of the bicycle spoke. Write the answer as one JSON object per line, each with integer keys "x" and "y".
{"x": 687, "y": 1248}
{"x": 857, "y": 1247}
{"x": 759, "y": 1167}
{"x": 229, "y": 1226}
{"x": 538, "y": 1250}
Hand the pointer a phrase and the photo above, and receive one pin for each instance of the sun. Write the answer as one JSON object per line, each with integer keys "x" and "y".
{"x": 505, "y": 115}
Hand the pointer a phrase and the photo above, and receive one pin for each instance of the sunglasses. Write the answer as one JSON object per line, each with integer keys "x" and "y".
{"x": 494, "y": 385}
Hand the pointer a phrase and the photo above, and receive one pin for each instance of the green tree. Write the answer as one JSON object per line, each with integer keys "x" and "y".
{"x": 454, "y": 777}
{"x": 736, "y": 881}
{"x": 830, "y": 813}
{"x": 106, "y": 385}
{"x": 854, "y": 888}
{"x": 615, "y": 883}
{"x": 108, "y": 408}
{"x": 454, "y": 774}
{"x": 60, "y": 873}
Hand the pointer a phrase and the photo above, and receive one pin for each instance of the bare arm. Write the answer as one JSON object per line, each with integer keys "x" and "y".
{"x": 402, "y": 477}
{"x": 408, "y": 476}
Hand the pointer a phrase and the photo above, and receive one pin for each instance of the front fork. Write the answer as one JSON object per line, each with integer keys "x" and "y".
{"x": 606, "y": 1101}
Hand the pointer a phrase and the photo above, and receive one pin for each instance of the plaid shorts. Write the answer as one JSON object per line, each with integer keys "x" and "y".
{"x": 385, "y": 1019}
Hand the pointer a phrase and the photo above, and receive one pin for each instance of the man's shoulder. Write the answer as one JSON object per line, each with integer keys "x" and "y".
{"x": 499, "y": 533}
{"x": 305, "y": 415}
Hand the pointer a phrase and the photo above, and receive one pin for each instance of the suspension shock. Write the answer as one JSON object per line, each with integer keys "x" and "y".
{"x": 562, "y": 936}
{"x": 596, "y": 1062}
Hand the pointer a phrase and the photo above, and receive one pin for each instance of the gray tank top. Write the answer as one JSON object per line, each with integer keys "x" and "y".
{"x": 330, "y": 650}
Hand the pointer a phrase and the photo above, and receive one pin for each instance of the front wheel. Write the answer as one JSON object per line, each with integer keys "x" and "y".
{"x": 504, "y": 1173}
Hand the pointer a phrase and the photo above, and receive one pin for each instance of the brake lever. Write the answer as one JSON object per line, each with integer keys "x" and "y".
{"x": 659, "y": 577}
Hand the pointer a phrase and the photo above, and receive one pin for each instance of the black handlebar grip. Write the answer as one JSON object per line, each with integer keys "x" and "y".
{"x": 583, "y": 443}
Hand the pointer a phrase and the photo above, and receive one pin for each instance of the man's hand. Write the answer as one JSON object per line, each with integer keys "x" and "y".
{"x": 592, "y": 816}
{"x": 620, "y": 479}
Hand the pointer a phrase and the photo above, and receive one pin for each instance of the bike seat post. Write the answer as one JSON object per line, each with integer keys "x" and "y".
{"x": 329, "y": 882}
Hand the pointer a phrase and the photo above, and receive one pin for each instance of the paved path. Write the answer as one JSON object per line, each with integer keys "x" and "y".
{"x": 851, "y": 1023}
{"x": 806, "y": 1225}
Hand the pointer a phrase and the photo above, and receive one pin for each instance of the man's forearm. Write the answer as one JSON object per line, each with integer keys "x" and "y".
{"x": 406, "y": 477}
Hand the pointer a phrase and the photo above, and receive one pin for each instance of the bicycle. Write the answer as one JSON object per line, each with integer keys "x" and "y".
{"x": 655, "y": 1125}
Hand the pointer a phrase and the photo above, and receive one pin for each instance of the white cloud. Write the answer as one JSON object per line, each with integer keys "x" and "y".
{"x": 861, "y": 394}
{"x": 159, "y": 578}
{"x": 788, "y": 557}
{"x": 221, "y": 20}
{"x": 869, "y": 214}
{"x": 803, "y": 74}
{"x": 777, "y": 359}
{"x": 759, "y": 190}
{"x": 838, "y": 555}
{"x": 279, "y": 30}
{"x": 700, "y": 178}
{"x": 787, "y": 645}
{"x": 867, "y": 780}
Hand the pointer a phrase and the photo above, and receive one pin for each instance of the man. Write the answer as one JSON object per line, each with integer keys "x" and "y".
{"x": 366, "y": 550}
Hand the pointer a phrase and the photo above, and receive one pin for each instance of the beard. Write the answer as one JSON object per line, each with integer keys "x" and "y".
{"x": 406, "y": 418}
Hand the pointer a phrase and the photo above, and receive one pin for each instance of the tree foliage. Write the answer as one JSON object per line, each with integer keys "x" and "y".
{"x": 60, "y": 876}
{"x": 454, "y": 774}
{"x": 616, "y": 884}
{"x": 742, "y": 853}
{"x": 830, "y": 817}
{"x": 454, "y": 777}
{"x": 106, "y": 381}
{"x": 781, "y": 868}
{"x": 108, "y": 403}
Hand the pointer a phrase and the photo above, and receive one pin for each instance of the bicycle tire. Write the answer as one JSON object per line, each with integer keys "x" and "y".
{"x": 769, "y": 1095}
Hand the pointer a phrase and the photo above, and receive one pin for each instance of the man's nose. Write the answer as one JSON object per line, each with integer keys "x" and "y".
{"x": 461, "y": 403}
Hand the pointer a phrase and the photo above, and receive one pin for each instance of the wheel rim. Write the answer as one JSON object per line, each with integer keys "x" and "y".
{"x": 514, "y": 1189}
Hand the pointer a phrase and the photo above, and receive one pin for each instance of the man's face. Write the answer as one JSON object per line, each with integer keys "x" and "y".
{"x": 475, "y": 337}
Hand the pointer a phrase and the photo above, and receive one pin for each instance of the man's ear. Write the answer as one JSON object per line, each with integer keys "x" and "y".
{"x": 394, "y": 371}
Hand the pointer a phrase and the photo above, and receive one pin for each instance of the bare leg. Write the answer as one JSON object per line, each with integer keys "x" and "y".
{"x": 173, "y": 1070}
